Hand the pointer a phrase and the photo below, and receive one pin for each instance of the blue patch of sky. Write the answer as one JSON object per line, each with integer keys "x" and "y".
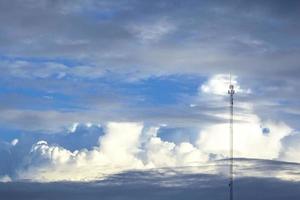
{"x": 162, "y": 90}
{"x": 102, "y": 15}
{"x": 167, "y": 90}
{"x": 157, "y": 91}
{"x": 178, "y": 135}
{"x": 8, "y": 134}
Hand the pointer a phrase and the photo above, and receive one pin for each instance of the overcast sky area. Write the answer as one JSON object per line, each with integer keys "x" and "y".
{"x": 128, "y": 99}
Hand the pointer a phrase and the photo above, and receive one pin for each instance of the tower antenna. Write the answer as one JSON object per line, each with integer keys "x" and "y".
{"x": 231, "y": 93}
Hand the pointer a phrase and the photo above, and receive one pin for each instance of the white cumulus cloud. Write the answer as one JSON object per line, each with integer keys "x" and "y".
{"x": 219, "y": 84}
{"x": 125, "y": 146}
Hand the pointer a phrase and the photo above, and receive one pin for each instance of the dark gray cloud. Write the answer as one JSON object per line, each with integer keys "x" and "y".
{"x": 139, "y": 37}
{"x": 156, "y": 185}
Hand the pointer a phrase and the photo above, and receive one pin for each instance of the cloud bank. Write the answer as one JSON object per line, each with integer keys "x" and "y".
{"x": 129, "y": 146}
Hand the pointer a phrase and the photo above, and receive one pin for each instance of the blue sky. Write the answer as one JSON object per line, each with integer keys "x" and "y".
{"x": 90, "y": 89}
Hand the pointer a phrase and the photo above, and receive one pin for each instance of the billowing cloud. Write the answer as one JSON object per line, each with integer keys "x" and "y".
{"x": 250, "y": 140}
{"x": 125, "y": 146}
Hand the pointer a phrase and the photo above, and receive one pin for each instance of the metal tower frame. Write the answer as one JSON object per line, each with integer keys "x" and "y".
{"x": 231, "y": 92}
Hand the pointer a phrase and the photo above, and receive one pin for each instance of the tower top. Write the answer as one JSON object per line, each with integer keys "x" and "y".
{"x": 231, "y": 90}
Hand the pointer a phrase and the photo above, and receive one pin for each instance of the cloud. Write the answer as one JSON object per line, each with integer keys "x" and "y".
{"x": 249, "y": 128}
{"x": 291, "y": 149}
{"x": 124, "y": 146}
{"x": 169, "y": 183}
{"x": 50, "y": 162}
{"x": 215, "y": 139}
{"x": 167, "y": 154}
{"x": 218, "y": 85}
{"x": 131, "y": 146}
{"x": 99, "y": 34}
{"x": 121, "y": 143}
{"x": 152, "y": 32}
{"x": 76, "y": 51}
{"x": 48, "y": 70}
{"x": 14, "y": 142}
{"x": 67, "y": 47}
{"x": 5, "y": 179}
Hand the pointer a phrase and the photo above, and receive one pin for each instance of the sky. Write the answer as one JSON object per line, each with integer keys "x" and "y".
{"x": 115, "y": 95}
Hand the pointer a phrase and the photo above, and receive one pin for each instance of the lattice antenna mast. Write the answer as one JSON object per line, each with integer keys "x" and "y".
{"x": 231, "y": 93}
